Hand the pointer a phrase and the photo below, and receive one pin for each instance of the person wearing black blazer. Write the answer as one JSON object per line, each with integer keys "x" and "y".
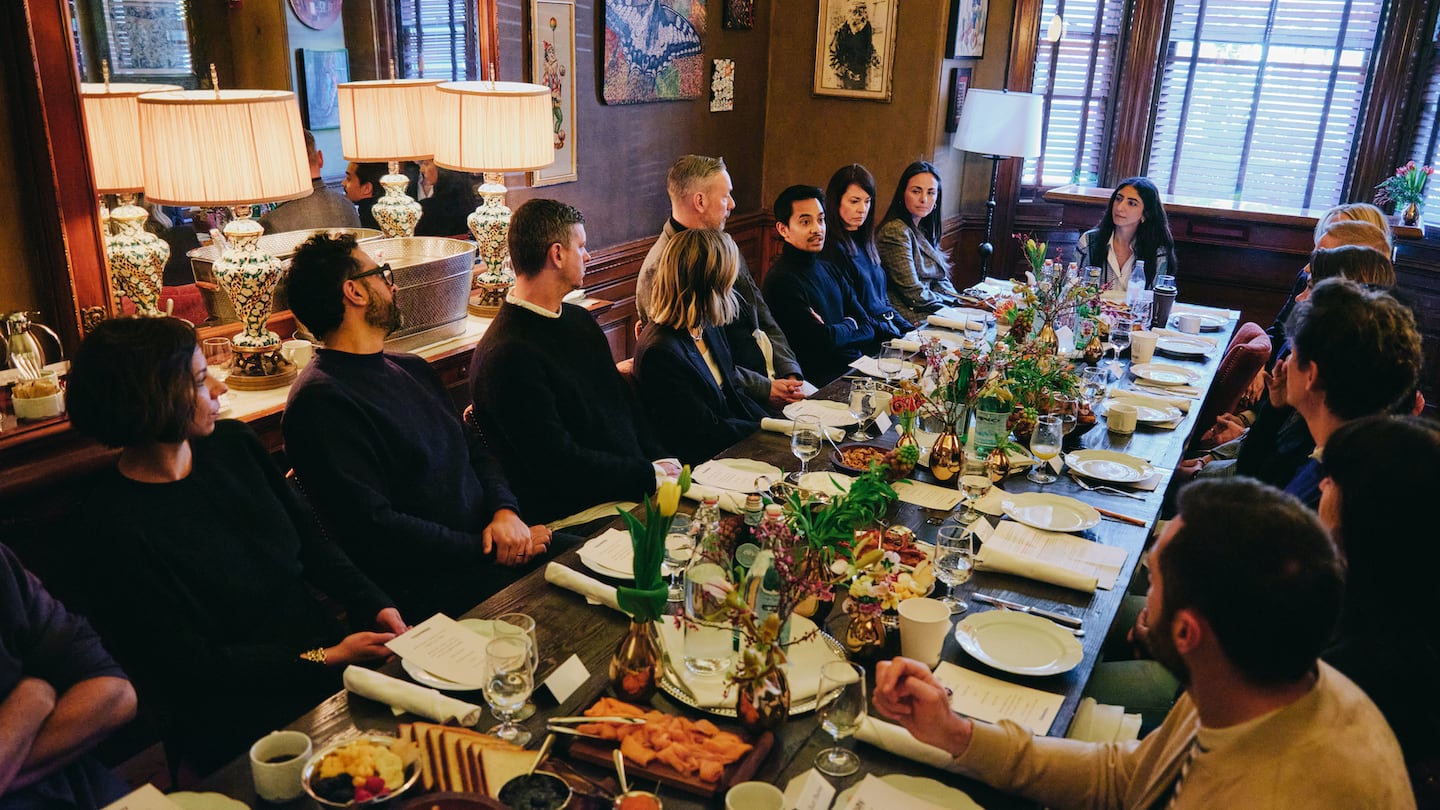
{"x": 683, "y": 365}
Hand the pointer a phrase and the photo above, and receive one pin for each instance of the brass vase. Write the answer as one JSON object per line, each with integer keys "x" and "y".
{"x": 997, "y": 464}
{"x": 1411, "y": 214}
{"x": 907, "y": 436}
{"x": 636, "y": 667}
{"x": 1046, "y": 340}
{"x": 946, "y": 455}
{"x": 765, "y": 705}
{"x": 865, "y": 636}
{"x": 815, "y": 568}
{"x": 1094, "y": 350}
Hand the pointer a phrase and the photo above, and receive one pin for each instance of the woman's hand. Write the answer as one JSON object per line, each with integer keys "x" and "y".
{"x": 358, "y": 647}
{"x": 389, "y": 621}
{"x": 1275, "y": 382}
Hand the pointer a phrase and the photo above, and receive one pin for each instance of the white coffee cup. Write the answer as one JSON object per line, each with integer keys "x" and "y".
{"x": 276, "y": 762}
{"x": 754, "y": 796}
{"x": 924, "y": 625}
{"x": 1188, "y": 323}
{"x": 1142, "y": 346}
{"x": 300, "y": 352}
{"x": 1121, "y": 417}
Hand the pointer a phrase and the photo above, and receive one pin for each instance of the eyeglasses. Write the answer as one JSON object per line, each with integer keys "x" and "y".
{"x": 383, "y": 271}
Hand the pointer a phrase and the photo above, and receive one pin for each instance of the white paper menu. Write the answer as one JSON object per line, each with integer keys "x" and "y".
{"x": 992, "y": 700}
{"x": 146, "y": 797}
{"x": 1077, "y": 554}
{"x": 876, "y": 794}
{"x": 928, "y": 496}
{"x": 440, "y": 645}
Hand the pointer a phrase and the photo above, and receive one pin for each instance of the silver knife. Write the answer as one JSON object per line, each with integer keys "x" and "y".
{"x": 1062, "y": 618}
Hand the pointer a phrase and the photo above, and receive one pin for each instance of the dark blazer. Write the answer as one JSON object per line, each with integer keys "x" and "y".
{"x": 695, "y": 417}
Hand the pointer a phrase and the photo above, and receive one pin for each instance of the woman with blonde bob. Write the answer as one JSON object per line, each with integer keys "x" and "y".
{"x": 683, "y": 365}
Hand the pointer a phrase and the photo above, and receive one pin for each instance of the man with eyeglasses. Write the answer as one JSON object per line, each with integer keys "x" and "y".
{"x": 394, "y": 474}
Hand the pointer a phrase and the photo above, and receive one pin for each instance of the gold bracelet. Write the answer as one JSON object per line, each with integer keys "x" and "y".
{"x": 316, "y": 655}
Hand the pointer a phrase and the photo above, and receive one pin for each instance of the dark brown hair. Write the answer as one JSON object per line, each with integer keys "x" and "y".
{"x": 132, "y": 382}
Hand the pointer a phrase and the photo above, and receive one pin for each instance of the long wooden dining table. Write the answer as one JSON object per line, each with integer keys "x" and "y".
{"x": 567, "y": 626}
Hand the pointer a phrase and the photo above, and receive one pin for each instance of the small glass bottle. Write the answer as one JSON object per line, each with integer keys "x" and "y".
{"x": 709, "y": 638}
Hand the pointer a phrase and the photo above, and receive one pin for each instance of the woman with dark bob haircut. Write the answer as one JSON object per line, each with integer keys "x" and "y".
{"x": 1378, "y": 496}
{"x": 198, "y": 556}
{"x": 1133, "y": 227}
{"x": 909, "y": 243}
{"x": 850, "y": 246}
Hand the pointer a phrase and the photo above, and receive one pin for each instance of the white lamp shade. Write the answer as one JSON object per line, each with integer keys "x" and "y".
{"x": 112, "y": 134}
{"x": 237, "y": 147}
{"x": 494, "y": 127}
{"x": 995, "y": 122}
{"x": 388, "y": 120}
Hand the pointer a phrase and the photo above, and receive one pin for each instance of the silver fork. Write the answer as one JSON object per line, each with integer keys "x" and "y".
{"x": 1103, "y": 489}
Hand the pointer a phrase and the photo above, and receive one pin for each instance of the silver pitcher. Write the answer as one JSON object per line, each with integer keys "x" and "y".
{"x": 24, "y": 346}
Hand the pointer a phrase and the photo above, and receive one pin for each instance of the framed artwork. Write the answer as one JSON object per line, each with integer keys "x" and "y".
{"x": 722, "y": 86}
{"x": 552, "y": 63}
{"x": 967, "y": 29}
{"x": 147, "y": 38}
{"x": 959, "y": 83}
{"x": 652, "y": 51}
{"x": 317, "y": 14}
{"x": 739, "y": 15}
{"x": 321, "y": 73}
{"x": 855, "y": 49}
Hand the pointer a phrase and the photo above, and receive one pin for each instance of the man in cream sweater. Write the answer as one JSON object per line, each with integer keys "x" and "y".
{"x": 1245, "y": 588}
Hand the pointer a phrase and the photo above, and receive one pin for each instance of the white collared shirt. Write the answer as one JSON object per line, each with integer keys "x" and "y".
{"x": 511, "y": 298}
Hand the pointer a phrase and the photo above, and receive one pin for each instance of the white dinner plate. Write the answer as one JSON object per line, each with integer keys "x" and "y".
{"x": 484, "y": 627}
{"x": 829, "y": 412}
{"x": 1184, "y": 347}
{"x": 922, "y": 788}
{"x": 719, "y": 472}
{"x": 1150, "y": 414}
{"x": 191, "y": 800}
{"x": 617, "y": 560}
{"x": 1108, "y": 465}
{"x": 1208, "y": 323}
{"x": 1055, "y": 513}
{"x": 1019, "y": 643}
{"x": 1162, "y": 374}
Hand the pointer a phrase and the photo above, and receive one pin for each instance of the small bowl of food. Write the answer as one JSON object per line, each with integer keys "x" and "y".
{"x": 361, "y": 771}
{"x": 40, "y": 398}
{"x": 540, "y": 790}
{"x": 638, "y": 800}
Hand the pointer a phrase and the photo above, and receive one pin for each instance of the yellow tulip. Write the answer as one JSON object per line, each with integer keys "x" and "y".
{"x": 667, "y": 498}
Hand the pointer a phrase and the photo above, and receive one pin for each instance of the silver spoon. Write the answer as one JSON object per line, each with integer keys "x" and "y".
{"x": 620, "y": 771}
{"x": 545, "y": 752}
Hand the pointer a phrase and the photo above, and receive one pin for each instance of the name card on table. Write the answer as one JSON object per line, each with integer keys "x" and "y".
{"x": 874, "y": 793}
{"x": 992, "y": 700}
{"x": 570, "y": 676}
{"x": 809, "y": 791}
{"x": 145, "y": 797}
{"x": 882, "y": 423}
{"x": 440, "y": 645}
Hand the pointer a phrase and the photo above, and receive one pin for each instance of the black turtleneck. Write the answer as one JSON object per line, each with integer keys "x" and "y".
{"x": 820, "y": 313}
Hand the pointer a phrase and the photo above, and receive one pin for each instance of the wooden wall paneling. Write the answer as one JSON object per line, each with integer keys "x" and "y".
{"x": 1137, "y": 73}
{"x": 1417, "y": 273}
{"x": 1378, "y": 147}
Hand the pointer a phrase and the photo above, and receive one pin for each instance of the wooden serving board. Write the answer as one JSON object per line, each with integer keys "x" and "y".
{"x": 599, "y": 752}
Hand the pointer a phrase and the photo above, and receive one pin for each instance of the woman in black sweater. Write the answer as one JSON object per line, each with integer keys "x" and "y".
{"x": 850, "y": 246}
{"x": 199, "y": 558}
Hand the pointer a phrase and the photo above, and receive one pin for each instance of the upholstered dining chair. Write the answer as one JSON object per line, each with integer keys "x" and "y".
{"x": 1244, "y": 358}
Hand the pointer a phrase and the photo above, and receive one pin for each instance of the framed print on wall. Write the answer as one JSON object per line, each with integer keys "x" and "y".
{"x": 653, "y": 51}
{"x": 552, "y": 63}
{"x": 959, "y": 84}
{"x": 855, "y": 49}
{"x": 322, "y": 72}
{"x": 967, "y": 29}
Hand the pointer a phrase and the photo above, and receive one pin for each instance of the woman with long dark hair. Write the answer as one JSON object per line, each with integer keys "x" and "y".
{"x": 850, "y": 245}
{"x": 909, "y": 243}
{"x": 1133, "y": 227}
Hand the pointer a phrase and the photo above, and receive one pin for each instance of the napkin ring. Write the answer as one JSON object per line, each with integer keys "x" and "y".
{"x": 316, "y": 655}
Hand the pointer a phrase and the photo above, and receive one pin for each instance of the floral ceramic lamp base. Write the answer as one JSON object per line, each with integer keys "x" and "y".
{"x": 249, "y": 275}
{"x": 137, "y": 258}
{"x": 396, "y": 213}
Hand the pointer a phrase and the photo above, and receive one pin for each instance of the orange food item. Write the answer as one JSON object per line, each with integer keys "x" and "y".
{"x": 687, "y": 746}
{"x": 639, "y": 802}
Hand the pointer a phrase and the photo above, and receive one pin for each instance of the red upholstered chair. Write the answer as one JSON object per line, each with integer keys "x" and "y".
{"x": 1244, "y": 358}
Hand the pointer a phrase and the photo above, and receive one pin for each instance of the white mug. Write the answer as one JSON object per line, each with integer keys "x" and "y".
{"x": 754, "y": 796}
{"x": 276, "y": 762}
{"x": 924, "y": 625}
{"x": 1142, "y": 346}
{"x": 300, "y": 352}
{"x": 1121, "y": 417}
{"x": 1188, "y": 323}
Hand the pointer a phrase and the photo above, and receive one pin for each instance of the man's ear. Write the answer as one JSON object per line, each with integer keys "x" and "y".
{"x": 1187, "y": 630}
{"x": 782, "y": 229}
{"x": 350, "y": 290}
{"x": 555, "y": 256}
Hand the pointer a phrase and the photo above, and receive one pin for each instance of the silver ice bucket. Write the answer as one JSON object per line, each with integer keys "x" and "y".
{"x": 432, "y": 286}
{"x": 280, "y": 245}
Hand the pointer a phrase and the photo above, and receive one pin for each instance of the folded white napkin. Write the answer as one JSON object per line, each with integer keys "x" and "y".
{"x": 900, "y": 742}
{"x": 871, "y": 366}
{"x": 1100, "y": 723}
{"x": 587, "y": 515}
{"x": 994, "y": 559}
{"x": 594, "y": 591}
{"x": 1176, "y": 392}
{"x": 1153, "y": 400}
{"x": 1163, "y": 332}
{"x": 802, "y": 667}
{"x": 787, "y": 427}
{"x": 409, "y": 697}
{"x": 959, "y": 324}
{"x": 906, "y": 345}
{"x": 730, "y": 501}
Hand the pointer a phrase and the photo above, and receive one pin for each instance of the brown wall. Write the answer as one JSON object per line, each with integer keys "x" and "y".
{"x": 18, "y": 229}
{"x": 625, "y": 150}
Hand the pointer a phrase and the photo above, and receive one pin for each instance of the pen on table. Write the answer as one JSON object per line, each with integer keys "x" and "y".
{"x": 1133, "y": 521}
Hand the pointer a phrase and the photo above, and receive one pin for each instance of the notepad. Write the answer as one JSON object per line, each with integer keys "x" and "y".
{"x": 992, "y": 700}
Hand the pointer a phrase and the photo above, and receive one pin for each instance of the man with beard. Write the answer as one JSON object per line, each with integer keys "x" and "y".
{"x": 852, "y": 48}
{"x": 1245, "y": 589}
{"x": 395, "y": 476}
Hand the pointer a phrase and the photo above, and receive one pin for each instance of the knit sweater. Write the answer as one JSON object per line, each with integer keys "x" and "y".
{"x": 811, "y": 301}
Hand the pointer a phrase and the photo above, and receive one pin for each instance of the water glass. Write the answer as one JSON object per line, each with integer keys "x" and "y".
{"x": 805, "y": 441}
{"x": 678, "y": 546}
{"x": 508, "y": 683}
{"x": 219, "y": 356}
{"x": 520, "y": 624}
{"x": 974, "y": 483}
{"x": 1044, "y": 445}
{"x": 842, "y": 708}
{"x": 954, "y": 559}
{"x": 1093, "y": 384}
{"x": 862, "y": 408}
{"x": 1120, "y": 339}
{"x": 891, "y": 361}
{"x": 1068, "y": 409}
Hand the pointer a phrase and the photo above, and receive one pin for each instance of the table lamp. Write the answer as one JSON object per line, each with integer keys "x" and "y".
{"x": 234, "y": 148}
{"x": 390, "y": 120}
{"x": 493, "y": 127}
{"x": 112, "y": 134}
{"x": 999, "y": 124}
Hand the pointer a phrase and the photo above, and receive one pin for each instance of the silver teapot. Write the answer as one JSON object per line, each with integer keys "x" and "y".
{"x": 25, "y": 346}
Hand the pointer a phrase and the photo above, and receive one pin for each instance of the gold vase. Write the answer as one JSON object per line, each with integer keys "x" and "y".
{"x": 865, "y": 636}
{"x": 764, "y": 706}
{"x": 946, "y": 454}
{"x": 907, "y": 437}
{"x": 814, "y": 568}
{"x": 1094, "y": 350}
{"x": 1046, "y": 339}
{"x": 997, "y": 464}
{"x": 636, "y": 667}
{"x": 1411, "y": 214}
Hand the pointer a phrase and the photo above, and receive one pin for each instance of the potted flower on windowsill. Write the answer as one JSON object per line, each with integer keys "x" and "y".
{"x": 1406, "y": 189}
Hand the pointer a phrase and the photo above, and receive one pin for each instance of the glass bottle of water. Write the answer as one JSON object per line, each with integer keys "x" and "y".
{"x": 709, "y": 638}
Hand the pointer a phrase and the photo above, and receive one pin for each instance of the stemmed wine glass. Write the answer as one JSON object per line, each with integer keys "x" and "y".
{"x": 805, "y": 442}
{"x": 974, "y": 483}
{"x": 678, "y": 546}
{"x": 891, "y": 361}
{"x": 1120, "y": 339}
{"x": 219, "y": 356}
{"x": 842, "y": 708}
{"x": 862, "y": 408}
{"x": 522, "y": 625}
{"x": 954, "y": 559}
{"x": 1093, "y": 384}
{"x": 1068, "y": 409}
{"x": 508, "y": 683}
{"x": 1045, "y": 445}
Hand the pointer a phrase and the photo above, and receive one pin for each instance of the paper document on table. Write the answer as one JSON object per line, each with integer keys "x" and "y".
{"x": 871, "y": 366}
{"x": 611, "y": 550}
{"x": 735, "y": 474}
{"x": 874, "y": 794}
{"x": 1067, "y": 551}
{"x": 992, "y": 700}
{"x": 927, "y": 496}
{"x": 442, "y": 646}
{"x": 146, "y": 797}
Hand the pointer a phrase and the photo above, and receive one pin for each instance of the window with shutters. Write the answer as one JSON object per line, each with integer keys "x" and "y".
{"x": 1425, "y": 147}
{"x": 436, "y": 39}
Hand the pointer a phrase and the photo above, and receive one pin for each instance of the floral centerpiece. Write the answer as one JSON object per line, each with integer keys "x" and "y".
{"x": 636, "y": 668}
{"x": 1406, "y": 189}
{"x": 1031, "y": 374}
{"x": 876, "y": 584}
{"x": 1055, "y": 299}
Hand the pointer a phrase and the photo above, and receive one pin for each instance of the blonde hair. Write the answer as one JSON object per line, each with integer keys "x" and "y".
{"x": 1355, "y": 232}
{"x": 1355, "y": 212}
{"x": 694, "y": 283}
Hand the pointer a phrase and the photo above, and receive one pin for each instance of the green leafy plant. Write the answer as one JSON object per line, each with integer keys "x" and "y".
{"x": 645, "y": 600}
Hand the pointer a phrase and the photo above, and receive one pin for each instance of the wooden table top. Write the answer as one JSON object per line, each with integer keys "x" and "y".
{"x": 567, "y": 625}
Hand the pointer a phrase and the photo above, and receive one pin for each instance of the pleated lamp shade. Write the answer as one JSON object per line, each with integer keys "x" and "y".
{"x": 234, "y": 147}
{"x": 999, "y": 123}
{"x": 112, "y": 134}
{"x": 494, "y": 127}
{"x": 388, "y": 120}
